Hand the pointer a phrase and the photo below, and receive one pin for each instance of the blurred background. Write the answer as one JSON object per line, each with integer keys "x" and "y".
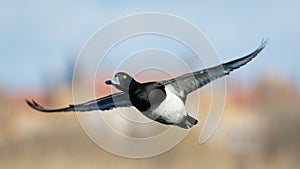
{"x": 39, "y": 44}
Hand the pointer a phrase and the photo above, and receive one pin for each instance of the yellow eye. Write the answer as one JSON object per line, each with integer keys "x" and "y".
{"x": 124, "y": 76}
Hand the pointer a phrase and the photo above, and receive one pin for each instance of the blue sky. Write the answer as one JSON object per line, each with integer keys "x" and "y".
{"x": 38, "y": 37}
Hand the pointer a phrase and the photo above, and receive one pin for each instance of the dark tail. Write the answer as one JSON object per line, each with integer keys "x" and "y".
{"x": 189, "y": 122}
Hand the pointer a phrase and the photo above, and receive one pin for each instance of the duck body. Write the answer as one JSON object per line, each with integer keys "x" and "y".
{"x": 157, "y": 102}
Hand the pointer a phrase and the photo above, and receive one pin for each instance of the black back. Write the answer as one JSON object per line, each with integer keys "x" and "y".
{"x": 147, "y": 96}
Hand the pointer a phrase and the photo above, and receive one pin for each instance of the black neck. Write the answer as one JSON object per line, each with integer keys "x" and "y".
{"x": 133, "y": 86}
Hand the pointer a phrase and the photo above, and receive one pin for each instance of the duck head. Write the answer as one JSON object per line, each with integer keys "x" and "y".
{"x": 122, "y": 81}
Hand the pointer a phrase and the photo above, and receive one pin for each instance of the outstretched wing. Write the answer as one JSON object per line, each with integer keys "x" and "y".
{"x": 189, "y": 82}
{"x": 109, "y": 102}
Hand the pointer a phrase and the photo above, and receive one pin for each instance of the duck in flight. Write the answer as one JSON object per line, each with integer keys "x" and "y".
{"x": 161, "y": 101}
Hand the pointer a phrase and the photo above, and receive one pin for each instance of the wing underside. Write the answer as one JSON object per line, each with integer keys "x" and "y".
{"x": 109, "y": 102}
{"x": 192, "y": 81}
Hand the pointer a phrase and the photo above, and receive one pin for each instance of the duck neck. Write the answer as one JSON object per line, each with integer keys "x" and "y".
{"x": 133, "y": 86}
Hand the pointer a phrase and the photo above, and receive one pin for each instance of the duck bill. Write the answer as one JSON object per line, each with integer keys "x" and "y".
{"x": 114, "y": 81}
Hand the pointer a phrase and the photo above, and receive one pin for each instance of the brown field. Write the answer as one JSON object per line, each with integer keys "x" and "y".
{"x": 259, "y": 129}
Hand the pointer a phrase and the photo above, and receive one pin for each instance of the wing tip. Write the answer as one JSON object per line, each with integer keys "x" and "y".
{"x": 32, "y": 104}
{"x": 36, "y": 106}
{"x": 263, "y": 44}
{"x": 237, "y": 63}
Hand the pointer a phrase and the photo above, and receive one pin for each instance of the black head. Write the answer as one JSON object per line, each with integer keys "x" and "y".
{"x": 122, "y": 81}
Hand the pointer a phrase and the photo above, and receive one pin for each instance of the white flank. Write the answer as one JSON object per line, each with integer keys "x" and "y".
{"x": 172, "y": 109}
